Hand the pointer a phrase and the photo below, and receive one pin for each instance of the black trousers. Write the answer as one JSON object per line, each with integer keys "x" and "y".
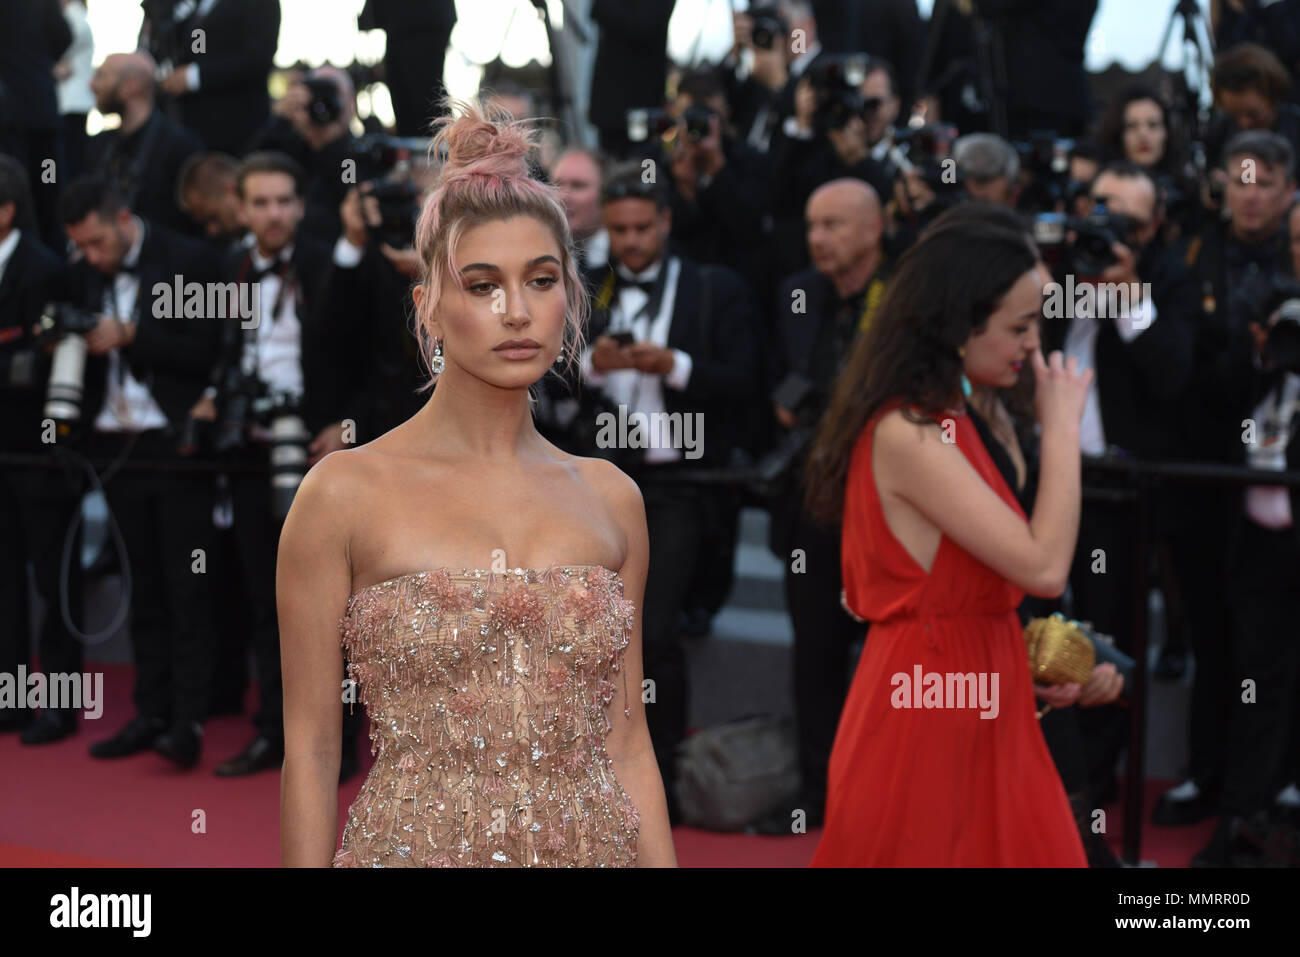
{"x": 824, "y": 634}
{"x": 1198, "y": 549}
{"x": 257, "y": 541}
{"x": 413, "y": 66}
{"x": 165, "y": 518}
{"x": 676, "y": 517}
{"x": 36, "y": 508}
{"x": 1264, "y": 596}
{"x": 1105, "y": 598}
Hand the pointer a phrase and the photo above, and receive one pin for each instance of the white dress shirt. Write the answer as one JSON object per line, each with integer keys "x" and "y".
{"x": 274, "y": 350}
{"x": 7, "y": 247}
{"x": 1270, "y": 505}
{"x": 1081, "y": 343}
{"x": 129, "y": 406}
{"x": 642, "y": 391}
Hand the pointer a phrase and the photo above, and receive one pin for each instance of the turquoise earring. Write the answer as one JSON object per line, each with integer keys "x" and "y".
{"x": 965, "y": 382}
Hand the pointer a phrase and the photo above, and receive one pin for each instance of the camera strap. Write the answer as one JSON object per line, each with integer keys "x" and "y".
{"x": 130, "y": 179}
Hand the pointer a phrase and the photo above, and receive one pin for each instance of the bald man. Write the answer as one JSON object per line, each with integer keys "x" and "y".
{"x": 820, "y": 313}
{"x": 144, "y": 155}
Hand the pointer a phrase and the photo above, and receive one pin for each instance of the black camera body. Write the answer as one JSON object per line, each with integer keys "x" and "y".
{"x": 326, "y": 105}
{"x": 837, "y": 80}
{"x": 1046, "y": 157}
{"x": 769, "y": 28}
{"x": 399, "y": 208}
{"x": 1089, "y": 252}
{"x": 1280, "y": 294}
{"x": 924, "y": 149}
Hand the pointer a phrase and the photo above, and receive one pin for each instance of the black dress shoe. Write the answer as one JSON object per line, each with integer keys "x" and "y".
{"x": 137, "y": 736}
{"x": 51, "y": 726}
{"x": 1175, "y": 811}
{"x": 1237, "y": 842}
{"x": 261, "y": 753}
{"x": 182, "y": 744}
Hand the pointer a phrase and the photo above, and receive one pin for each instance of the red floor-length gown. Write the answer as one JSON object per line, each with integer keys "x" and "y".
{"x": 939, "y": 787}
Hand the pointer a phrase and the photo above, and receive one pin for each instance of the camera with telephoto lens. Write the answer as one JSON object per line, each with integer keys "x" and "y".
{"x": 836, "y": 80}
{"x": 924, "y": 149}
{"x": 326, "y": 105}
{"x": 800, "y": 396}
{"x": 399, "y": 208}
{"x": 1088, "y": 253}
{"x": 1046, "y": 157}
{"x": 1281, "y": 295}
{"x": 388, "y": 160}
{"x": 769, "y": 29}
{"x": 65, "y": 389}
{"x": 246, "y": 399}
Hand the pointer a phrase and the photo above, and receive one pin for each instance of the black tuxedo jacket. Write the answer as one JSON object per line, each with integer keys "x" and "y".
{"x": 231, "y": 102}
{"x": 30, "y": 280}
{"x": 158, "y": 149}
{"x": 172, "y": 356}
{"x": 366, "y": 313}
{"x": 325, "y": 364}
{"x": 1141, "y": 383}
{"x": 714, "y": 321}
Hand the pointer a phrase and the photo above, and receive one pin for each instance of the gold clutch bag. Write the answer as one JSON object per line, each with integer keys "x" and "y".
{"x": 1059, "y": 651}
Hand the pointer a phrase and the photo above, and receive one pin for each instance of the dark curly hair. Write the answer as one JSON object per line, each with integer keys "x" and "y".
{"x": 942, "y": 292}
{"x": 1110, "y": 129}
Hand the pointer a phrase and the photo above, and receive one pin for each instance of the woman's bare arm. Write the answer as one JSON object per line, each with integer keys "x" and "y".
{"x": 312, "y": 582}
{"x": 915, "y": 463}
{"x": 628, "y": 743}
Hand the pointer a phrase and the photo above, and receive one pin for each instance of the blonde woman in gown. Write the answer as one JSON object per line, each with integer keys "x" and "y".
{"x": 485, "y": 586}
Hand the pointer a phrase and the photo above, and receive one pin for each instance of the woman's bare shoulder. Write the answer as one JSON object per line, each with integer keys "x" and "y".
{"x": 617, "y": 490}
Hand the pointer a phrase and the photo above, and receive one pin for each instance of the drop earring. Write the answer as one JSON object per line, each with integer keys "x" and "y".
{"x": 965, "y": 382}
{"x": 438, "y": 363}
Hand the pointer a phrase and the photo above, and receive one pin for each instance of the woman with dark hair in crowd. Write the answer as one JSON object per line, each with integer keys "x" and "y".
{"x": 938, "y": 760}
{"x": 474, "y": 574}
{"x": 1137, "y": 127}
{"x": 1004, "y": 418}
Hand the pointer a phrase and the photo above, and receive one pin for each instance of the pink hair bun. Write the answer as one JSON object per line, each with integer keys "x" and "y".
{"x": 478, "y": 144}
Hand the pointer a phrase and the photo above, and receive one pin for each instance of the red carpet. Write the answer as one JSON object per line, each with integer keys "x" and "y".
{"x": 59, "y": 807}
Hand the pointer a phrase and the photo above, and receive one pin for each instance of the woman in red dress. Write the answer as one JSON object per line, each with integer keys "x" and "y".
{"x": 938, "y": 759}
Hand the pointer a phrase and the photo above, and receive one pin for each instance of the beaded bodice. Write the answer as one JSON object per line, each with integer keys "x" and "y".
{"x": 487, "y": 695}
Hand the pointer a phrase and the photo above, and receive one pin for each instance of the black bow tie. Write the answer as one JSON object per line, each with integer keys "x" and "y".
{"x": 279, "y": 267}
{"x": 646, "y": 286}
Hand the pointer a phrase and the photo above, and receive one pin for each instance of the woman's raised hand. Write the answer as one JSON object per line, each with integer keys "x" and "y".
{"x": 1060, "y": 390}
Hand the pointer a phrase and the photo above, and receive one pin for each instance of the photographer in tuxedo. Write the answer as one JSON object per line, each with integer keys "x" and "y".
{"x": 312, "y": 124}
{"x": 1142, "y": 356}
{"x": 365, "y": 303}
{"x": 219, "y": 89}
{"x": 34, "y": 503}
{"x": 668, "y": 336}
{"x": 818, "y": 315}
{"x": 205, "y": 192}
{"x": 272, "y": 395}
{"x": 142, "y": 158}
{"x": 1229, "y": 261}
{"x": 148, "y": 363}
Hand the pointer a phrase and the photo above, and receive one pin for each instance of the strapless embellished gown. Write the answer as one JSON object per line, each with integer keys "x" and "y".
{"x": 487, "y": 695}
